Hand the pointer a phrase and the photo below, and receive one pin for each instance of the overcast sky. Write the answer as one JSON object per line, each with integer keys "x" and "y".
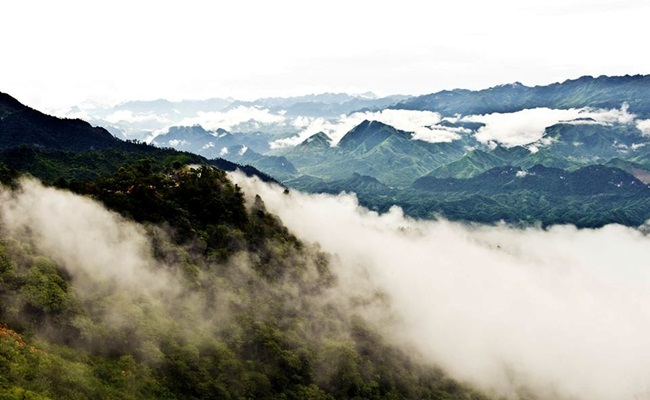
{"x": 58, "y": 53}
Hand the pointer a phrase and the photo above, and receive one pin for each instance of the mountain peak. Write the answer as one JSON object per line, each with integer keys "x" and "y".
{"x": 317, "y": 141}
{"x": 9, "y": 105}
{"x": 367, "y": 133}
{"x": 22, "y": 125}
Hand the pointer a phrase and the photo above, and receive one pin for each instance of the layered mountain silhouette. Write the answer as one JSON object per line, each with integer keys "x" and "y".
{"x": 22, "y": 125}
{"x": 50, "y": 147}
{"x": 372, "y": 148}
{"x": 584, "y": 171}
{"x": 587, "y": 91}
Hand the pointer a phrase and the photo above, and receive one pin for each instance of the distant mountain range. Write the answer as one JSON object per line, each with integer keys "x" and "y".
{"x": 601, "y": 92}
{"x": 52, "y": 148}
{"x": 21, "y": 125}
{"x": 578, "y": 148}
{"x": 275, "y": 116}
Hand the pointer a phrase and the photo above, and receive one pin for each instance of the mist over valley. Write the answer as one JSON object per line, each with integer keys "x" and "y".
{"x": 330, "y": 246}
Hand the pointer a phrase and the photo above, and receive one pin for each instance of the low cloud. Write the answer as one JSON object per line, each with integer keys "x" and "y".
{"x": 96, "y": 245}
{"x": 128, "y": 116}
{"x": 527, "y": 126}
{"x": 213, "y": 120}
{"x": 560, "y": 312}
{"x": 644, "y": 126}
{"x": 421, "y": 123}
{"x": 177, "y": 142}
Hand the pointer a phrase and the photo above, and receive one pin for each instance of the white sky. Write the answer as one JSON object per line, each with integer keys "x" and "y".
{"x": 59, "y": 53}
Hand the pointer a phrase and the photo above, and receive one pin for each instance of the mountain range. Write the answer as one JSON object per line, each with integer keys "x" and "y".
{"x": 232, "y": 304}
{"x": 275, "y": 116}
{"x": 393, "y": 150}
{"x": 600, "y": 92}
{"x": 138, "y": 272}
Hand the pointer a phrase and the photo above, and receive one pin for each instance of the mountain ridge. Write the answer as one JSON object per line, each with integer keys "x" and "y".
{"x": 586, "y": 91}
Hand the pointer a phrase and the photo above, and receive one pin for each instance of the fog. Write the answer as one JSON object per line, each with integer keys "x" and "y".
{"x": 423, "y": 125}
{"x": 560, "y": 312}
{"x": 508, "y": 129}
{"x": 213, "y": 120}
{"x": 136, "y": 285}
{"x": 91, "y": 242}
{"x": 644, "y": 126}
{"x": 527, "y": 126}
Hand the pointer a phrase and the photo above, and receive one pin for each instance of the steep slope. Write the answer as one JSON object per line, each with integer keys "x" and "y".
{"x": 21, "y": 125}
{"x": 595, "y": 143}
{"x": 196, "y": 140}
{"x": 639, "y": 171}
{"x": 376, "y": 149}
{"x": 473, "y": 163}
{"x": 590, "y": 180}
{"x": 49, "y": 147}
{"x": 277, "y": 166}
{"x": 592, "y": 196}
{"x": 155, "y": 283}
{"x": 316, "y": 142}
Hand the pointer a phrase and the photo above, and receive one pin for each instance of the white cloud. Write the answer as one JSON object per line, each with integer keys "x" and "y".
{"x": 213, "y": 120}
{"x": 335, "y": 129}
{"x": 561, "y": 311}
{"x": 128, "y": 116}
{"x": 527, "y": 126}
{"x": 421, "y": 123}
{"x": 644, "y": 126}
{"x": 518, "y": 128}
{"x": 177, "y": 142}
{"x": 79, "y": 233}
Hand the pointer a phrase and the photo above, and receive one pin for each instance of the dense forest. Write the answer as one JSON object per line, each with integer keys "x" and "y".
{"x": 221, "y": 302}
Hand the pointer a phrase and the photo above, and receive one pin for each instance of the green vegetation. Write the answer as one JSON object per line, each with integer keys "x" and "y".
{"x": 250, "y": 314}
{"x": 374, "y": 149}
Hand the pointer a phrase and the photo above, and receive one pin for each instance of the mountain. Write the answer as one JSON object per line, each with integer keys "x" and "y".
{"x": 592, "y": 196}
{"x": 157, "y": 278}
{"x": 196, "y": 140}
{"x": 277, "y": 166}
{"x": 371, "y": 148}
{"x": 22, "y": 125}
{"x": 590, "y": 180}
{"x": 210, "y": 144}
{"x": 325, "y": 105}
{"x": 601, "y": 92}
{"x": 593, "y": 143}
{"x": 356, "y": 183}
{"x": 639, "y": 171}
{"x": 317, "y": 142}
{"x": 50, "y": 148}
{"x": 276, "y": 116}
{"x": 473, "y": 163}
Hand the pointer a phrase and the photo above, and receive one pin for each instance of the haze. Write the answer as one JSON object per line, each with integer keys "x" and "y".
{"x": 558, "y": 312}
{"x": 67, "y": 52}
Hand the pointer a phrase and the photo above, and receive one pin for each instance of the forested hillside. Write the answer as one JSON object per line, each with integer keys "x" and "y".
{"x": 144, "y": 273}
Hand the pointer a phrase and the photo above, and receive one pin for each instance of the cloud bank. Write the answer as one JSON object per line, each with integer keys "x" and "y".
{"x": 93, "y": 243}
{"x": 560, "y": 312}
{"x": 421, "y": 123}
{"x": 644, "y": 126}
{"x": 508, "y": 129}
{"x": 213, "y": 120}
{"x": 528, "y": 126}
